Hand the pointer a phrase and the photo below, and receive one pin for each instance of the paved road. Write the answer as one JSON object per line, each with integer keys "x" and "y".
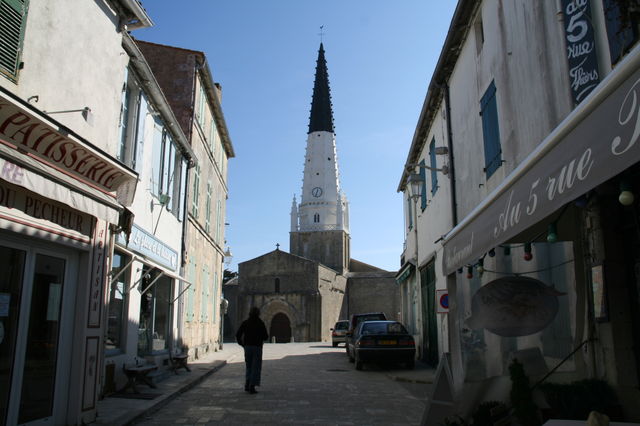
{"x": 302, "y": 383}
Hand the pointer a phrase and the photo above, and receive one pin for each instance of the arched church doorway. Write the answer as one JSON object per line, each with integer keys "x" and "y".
{"x": 280, "y": 328}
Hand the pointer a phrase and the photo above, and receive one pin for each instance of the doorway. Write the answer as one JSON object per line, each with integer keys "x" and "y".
{"x": 37, "y": 289}
{"x": 280, "y": 328}
{"x": 429, "y": 321}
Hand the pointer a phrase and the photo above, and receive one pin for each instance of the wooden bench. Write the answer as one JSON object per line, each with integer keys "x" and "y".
{"x": 178, "y": 361}
{"x": 138, "y": 374}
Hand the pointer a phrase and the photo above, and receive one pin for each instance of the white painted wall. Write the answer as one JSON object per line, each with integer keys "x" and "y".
{"x": 72, "y": 63}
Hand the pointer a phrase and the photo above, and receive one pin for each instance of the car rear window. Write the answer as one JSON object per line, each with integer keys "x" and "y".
{"x": 384, "y": 328}
{"x": 342, "y": 325}
{"x": 369, "y": 318}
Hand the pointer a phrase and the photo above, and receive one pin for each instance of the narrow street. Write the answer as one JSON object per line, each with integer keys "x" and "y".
{"x": 302, "y": 383}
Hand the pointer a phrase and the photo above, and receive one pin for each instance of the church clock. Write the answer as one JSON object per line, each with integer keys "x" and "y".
{"x": 316, "y": 192}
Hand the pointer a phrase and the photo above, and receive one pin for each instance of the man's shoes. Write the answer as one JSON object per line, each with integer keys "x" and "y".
{"x": 252, "y": 389}
{"x": 246, "y": 386}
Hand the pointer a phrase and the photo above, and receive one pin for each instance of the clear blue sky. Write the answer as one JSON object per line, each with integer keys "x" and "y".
{"x": 380, "y": 55}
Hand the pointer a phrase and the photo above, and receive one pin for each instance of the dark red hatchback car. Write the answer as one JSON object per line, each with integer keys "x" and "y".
{"x": 382, "y": 341}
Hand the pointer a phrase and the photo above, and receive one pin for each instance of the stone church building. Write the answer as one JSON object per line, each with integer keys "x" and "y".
{"x": 303, "y": 293}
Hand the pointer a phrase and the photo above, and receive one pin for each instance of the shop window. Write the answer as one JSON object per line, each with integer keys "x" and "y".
{"x": 133, "y": 111}
{"x": 423, "y": 188}
{"x": 155, "y": 312}
{"x": 433, "y": 165}
{"x": 622, "y": 21}
{"x": 13, "y": 20}
{"x": 490, "y": 131}
{"x": 117, "y": 311}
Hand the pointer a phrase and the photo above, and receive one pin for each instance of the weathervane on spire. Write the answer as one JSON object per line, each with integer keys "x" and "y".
{"x": 321, "y": 33}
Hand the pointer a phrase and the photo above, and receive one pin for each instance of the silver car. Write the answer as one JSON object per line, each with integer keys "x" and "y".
{"x": 338, "y": 332}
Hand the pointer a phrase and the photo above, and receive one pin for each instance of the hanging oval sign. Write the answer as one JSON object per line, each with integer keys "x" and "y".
{"x": 514, "y": 306}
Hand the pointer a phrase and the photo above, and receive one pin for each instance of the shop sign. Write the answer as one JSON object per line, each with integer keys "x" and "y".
{"x": 604, "y": 143}
{"x": 28, "y": 208}
{"x": 149, "y": 246}
{"x": 581, "y": 48}
{"x": 25, "y": 132}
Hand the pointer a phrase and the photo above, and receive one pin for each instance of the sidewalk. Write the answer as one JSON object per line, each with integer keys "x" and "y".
{"x": 124, "y": 411}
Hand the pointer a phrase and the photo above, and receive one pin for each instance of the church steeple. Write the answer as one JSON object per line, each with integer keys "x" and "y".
{"x": 320, "y": 223}
{"x": 321, "y": 118}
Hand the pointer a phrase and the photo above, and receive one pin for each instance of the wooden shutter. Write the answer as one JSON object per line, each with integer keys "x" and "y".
{"x": 13, "y": 14}
{"x": 423, "y": 190}
{"x": 433, "y": 164}
{"x": 490, "y": 131}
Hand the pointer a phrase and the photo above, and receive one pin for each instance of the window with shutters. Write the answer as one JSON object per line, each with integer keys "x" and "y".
{"x": 622, "y": 21}
{"x": 168, "y": 175}
{"x": 204, "y": 294}
{"x": 433, "y": 165}
{"x": 213, "y": 137}
{"x": 202, "y": 100}
{"x": 423, "y": 188}
{"x": 13, "y": 21}
{"x": 207, "y": 212}
{"x": 490, "y": 131}
{"x": 191, "y": 292}
{"x": 195, "y": 197}
{"x": 133, "y": 111}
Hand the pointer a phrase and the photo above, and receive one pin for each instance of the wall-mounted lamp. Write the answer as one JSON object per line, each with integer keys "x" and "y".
{"x": 228, "y": 257}
{"x": 415, "y": 181}
{"x": 444, "y": 169}
{"x": 86, "y": 113}
{"x": 626, "y": 197}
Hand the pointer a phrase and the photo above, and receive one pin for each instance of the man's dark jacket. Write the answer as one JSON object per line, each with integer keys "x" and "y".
{"x": 252, "y": 332}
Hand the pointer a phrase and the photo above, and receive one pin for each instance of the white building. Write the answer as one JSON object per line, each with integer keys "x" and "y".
{"x": 538, "y": 247}
{"x": 62, "y": 192}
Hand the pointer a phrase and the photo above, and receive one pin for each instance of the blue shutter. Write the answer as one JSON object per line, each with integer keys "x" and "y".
{"x": 423, "y": 190}
{"x": 433, "y": 164}
{"x": 191, "y": 292}
{"x": 490, "y": 131}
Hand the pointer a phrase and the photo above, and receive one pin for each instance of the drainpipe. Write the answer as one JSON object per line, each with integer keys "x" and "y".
{"x": 452, "y": 169}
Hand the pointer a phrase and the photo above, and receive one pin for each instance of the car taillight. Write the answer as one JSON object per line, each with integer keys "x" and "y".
{"x": 334, "y": 334}
{"x": 406, "y": 342}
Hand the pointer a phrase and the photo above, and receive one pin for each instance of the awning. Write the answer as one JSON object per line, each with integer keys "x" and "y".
{"x": 31, "y": 174}
{"x": 597, "y": 141}
{"x": 163, "y": 271}
{"x": 31, "y": 133}
{"x": 404, "y": 273}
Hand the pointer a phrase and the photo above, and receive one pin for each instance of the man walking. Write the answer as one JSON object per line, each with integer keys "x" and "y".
{"x": 251, "y": 336}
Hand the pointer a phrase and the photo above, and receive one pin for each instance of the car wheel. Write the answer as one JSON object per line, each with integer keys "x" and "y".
{"x": 411, "y": 364}
{"x": 358, "y": 363}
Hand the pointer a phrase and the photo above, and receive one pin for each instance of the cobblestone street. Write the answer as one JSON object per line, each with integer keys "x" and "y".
{"x": 302, "y": 383}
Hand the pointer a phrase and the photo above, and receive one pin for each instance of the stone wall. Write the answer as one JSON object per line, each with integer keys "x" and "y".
{"x": 330, "y": 248}
{"x": 371, "y": 292}
{"x": 332, "y": 289}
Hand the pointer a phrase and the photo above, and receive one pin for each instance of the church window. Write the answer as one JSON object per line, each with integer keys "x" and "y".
{"x": 316, "y": 218}
{"x": 277, "y": 285}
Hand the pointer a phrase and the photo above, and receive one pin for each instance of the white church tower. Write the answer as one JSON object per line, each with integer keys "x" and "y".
{"x": 320, "y": 223}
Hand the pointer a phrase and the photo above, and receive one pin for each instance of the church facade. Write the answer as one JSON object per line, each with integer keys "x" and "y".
{"x": 301, "y": 294}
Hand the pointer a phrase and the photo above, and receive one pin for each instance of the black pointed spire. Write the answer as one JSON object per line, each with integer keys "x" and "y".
{"x": 321, "y": 118}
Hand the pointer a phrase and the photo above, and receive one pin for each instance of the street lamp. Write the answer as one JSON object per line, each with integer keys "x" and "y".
{"x": 228, "y": 257}
{"x": 415, "y": 183}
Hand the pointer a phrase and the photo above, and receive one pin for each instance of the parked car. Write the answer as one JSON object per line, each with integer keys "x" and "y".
{"x": 382, "y": 341}
{"x": 339, "y": 332}
{"x": 356, "y": 319}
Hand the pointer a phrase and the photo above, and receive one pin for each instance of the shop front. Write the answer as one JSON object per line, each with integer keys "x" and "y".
{"x": 59, "y": 195}
{"x": 532, "y": 268}
{"x": 143, "y": 309}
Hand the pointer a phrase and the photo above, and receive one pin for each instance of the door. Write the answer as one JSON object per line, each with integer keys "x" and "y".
{"x": 429, "y": 326}
{"x": 280, "y": 328}
{"x": 37, "y": 290}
